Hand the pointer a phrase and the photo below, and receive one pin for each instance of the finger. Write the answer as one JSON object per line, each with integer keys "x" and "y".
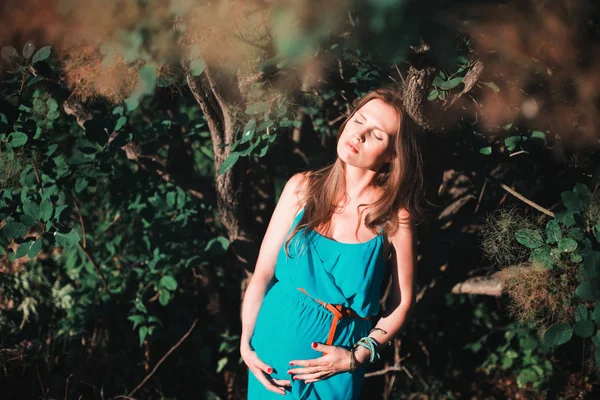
{"x": 307, "y": 370}
{"x": 323, "y": 348}
{"x": 262, "y": 378}
{"x": 282, "y": 382}
{"x": 307, "y": 363}
{"x": 306, "y": 377}
{"x": 263, "y": 366}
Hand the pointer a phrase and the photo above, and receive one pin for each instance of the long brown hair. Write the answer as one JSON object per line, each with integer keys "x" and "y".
{"x": 401, "y": 180}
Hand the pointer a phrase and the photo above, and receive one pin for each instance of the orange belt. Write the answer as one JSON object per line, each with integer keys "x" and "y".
{"x": 339, "y": 312}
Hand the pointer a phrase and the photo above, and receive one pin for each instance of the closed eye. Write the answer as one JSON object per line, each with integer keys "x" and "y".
{"x": 374, "y": 135}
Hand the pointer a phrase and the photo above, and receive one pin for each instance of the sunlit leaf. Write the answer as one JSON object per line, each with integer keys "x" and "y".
{"x": 42, "y": 54}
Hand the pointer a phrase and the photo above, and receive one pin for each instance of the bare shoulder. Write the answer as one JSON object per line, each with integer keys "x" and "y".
{"x": 294, "y": 190}
{"x": 403, "y": 235}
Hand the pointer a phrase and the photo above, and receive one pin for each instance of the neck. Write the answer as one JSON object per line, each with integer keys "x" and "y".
{"x": 358, "y": 182}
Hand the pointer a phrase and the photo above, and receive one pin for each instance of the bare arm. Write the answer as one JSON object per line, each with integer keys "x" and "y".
{"x": 283, "y": 216}
{"x": 403, "y": 279}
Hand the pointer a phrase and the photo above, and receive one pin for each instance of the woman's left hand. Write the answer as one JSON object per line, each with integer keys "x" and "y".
{"x": 335, "y": 361}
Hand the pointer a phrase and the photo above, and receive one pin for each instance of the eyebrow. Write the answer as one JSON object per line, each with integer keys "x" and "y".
{"x": 378, "y": 128}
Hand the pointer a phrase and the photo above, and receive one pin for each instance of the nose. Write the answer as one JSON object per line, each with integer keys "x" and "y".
{"x": 359, "y": 136}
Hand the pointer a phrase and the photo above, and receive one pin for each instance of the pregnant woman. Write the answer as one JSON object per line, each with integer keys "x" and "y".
{"x": 308, "y": 310}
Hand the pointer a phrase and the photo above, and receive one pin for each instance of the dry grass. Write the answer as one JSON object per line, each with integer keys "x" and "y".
{"x": 12, "y": 167}
{"x": 592, "y": 208}
{"x": 499, "y": 244}
{"x": 531, "y": 296}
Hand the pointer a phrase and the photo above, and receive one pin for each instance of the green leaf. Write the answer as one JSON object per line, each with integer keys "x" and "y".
{"x": 565, "y": 217}
{"x": 163, "y": 297}
{"x": 433, "y": 94}
{"x": 31, "y": 209}
{"x": 539, "y": 137}
{"x": 80, "y": 184}
{"x": 41, "y": 55}
{"x": 143, "y": 332}
{"x": 35, "y": 248}
{"x": 581, "y": 312}
{"x": 558, "y": 334}
{"x": 118, "y": 110}
{"x": 596, "y": 313}
{"x": 589, "y": 290}
{"x": 168, "y": 282}
{"x": 120, "y": 122}
{"x": 591, "y": 264}
{"x": 46, "y": 210}
{"x": 437, "y": 81}
{"x": 221, "y": 364}
{"x": 553, "y": 232}
{"x": 24, "y": 248}
{"x": 229, "y": 162}
{"x": 17, "y": 139}
{"x": 452, "y": 83}
{"x": 576, "y": 257}
{"x": 28, "y": 49}
{"x": 136, "y": 319}
{"x": 576, "y": 233}
{"x": 66, "y": 239}
{"x": 529, "y": 238}
{"x": 263, "y": 150}
{"x": 526, "y": 376}
{"x": 596, "y": 230}
{"x": 217, "y": 246}
{"x": 8, "y": 53}
{"x": 584, "y": 328}
{"x": 567, "y": 245}
{"x": 542, "y": 256}
{"x": 511, "y": 142}
{"x": 249, "y": 129}
{"x": 583, "y": 191}
{"x": 52, "y": 105}
{"x": 197, "y": 66}
{"x": 486, "y": 150}
{"x": 147, "y": 81}
{"x": 572, "y": 201}
{"x": 14, "y": 229}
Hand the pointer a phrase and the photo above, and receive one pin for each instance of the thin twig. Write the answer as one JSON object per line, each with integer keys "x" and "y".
{"x": 480, "y": 195}
{"x": 518, "y": 152}
{"x": 80, "y": 220}
{"x": 391, "y": 368}
{"x": 67, "y": 385}
{"x": 37, "y": 177}
{"x": 164, "y": 358}
{"x": 399, "y": 73}
{"x": 40, "y": 379}
{"x": 89, "y": 257}
{"x": 526, "y": 200}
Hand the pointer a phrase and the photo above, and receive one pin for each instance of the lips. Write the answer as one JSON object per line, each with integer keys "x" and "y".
{"x": 351, "y": 147}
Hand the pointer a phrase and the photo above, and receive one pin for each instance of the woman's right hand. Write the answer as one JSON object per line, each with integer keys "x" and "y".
{"x": 262, "y": 371}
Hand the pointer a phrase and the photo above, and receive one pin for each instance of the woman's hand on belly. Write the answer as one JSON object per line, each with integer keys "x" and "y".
{"x": 262, "y": 371}
{"x": 335, "y": 361}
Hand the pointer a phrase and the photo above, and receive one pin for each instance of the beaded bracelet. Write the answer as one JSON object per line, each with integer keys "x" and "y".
{"x": 370, "y": 344}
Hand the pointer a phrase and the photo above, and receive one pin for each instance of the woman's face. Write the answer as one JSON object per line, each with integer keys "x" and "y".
{"x": 367, "y": 138}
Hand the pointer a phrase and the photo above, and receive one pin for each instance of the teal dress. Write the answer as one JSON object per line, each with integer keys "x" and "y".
{"x": 288, "y": 320}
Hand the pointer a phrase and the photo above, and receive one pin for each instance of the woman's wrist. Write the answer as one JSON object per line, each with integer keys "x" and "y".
{"x": 362, "y": 355}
